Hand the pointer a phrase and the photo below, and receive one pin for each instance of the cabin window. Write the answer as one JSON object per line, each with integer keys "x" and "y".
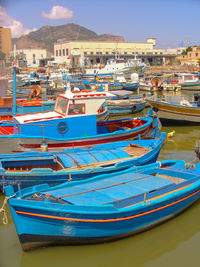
{"x": 75, "y": 109}
{"x": 188, "y": 77}
{"x": 61, "y": 105}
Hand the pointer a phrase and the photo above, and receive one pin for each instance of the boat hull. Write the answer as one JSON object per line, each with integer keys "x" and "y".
{"x": 41, "y": 176}
{"x": 18, "y": 142}
{"x": 41, "y": 228}
{"x": 190, "y": 86}
{"x": 126, "y": 109}
{"x": 176, "y": 113}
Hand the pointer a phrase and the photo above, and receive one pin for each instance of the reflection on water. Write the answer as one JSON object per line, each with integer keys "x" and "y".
{"x": 174, "y": 243}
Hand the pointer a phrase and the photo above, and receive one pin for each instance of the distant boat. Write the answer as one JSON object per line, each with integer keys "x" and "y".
{"x": 31, "y": 168}
{"x": 187, "y": 81}
{"x": 114, "y": 65}
{"x": 103, "y": 208}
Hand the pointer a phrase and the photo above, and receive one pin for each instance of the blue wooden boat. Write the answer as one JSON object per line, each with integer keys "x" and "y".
{"x": 74, "y": 123}
{"x": 125, "y": 106}
{"x": 132, "y": 86}
{"x": 103, "y": 208}
{"x": 30, "y": 168}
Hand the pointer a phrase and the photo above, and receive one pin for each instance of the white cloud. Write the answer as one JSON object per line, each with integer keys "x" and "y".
{"x": 58, "y": 12}
{"x": 16, "y": 26}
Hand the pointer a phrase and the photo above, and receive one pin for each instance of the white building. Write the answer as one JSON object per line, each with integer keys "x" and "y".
{"x": 30, "y": 57}
{"x": 95, "y": 52}
{"x": 175, "y": 51}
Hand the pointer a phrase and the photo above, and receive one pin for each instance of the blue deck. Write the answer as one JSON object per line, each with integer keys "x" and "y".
{"x": 115, "y": 188}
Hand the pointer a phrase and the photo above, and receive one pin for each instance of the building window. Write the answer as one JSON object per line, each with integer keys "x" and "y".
{"x": 67, "y": 52}
{"x": 156, "y": 53}
{"x": 33, "y": 55}
{"x": 85, "y": 53}
{"x": 60, "y": 52}
{"x": 91, "y": 53}
{"x": 63, "y": 52}
{"x": 196, "y": 54}
{"x": 161, "y": 53}
{"x": 125, "y": 53}
{"x": 100, "y": 53}
{"x": 107, "y": 53}
{"x": 136, "y": 53}
{"x": 133, "y": 53}
{"x": 142, "y": 53}
{"x": 41, "y": 55}
{"x": 57, "y": 53}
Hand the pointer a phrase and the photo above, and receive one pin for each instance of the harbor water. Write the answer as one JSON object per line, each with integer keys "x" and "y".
{"x": 173, "y": 243}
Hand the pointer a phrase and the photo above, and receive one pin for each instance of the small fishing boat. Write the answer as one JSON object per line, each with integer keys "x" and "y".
{"x": 73, "y": 123}
{"x": 113, "y": 66}
{"x": 158, "y": 83}
{"x": 104, "y": 208}
{"x": 33, "y": 103}
{"x": 125, "y": 106}
{"x": 177, "y": 109}
{"x": 31, "y": 168}
{"x": 187, "y": 81}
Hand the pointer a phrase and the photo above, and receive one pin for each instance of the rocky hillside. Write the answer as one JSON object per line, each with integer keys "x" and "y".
{"x": 46, "y": 36}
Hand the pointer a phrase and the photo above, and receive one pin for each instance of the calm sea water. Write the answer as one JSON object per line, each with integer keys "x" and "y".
{"x": 174, "y": 243}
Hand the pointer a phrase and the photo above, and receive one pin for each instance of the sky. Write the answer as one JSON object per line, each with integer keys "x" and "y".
{"x": 171, "y": 22}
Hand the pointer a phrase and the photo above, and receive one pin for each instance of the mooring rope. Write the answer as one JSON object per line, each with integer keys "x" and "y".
{"x": 3, "y": 211}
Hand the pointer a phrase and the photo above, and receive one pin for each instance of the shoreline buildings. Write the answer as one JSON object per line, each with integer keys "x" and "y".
{"x": 97, "y": 52}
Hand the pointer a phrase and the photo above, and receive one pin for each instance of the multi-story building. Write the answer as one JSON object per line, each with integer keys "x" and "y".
{"x": 94, "y": 52}
{"x": 192, "y": 57}
{"x": 29, "y": 57}
{"x": 5, "y": 41}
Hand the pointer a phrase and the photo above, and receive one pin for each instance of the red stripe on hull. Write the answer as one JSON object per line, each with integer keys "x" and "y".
{"x": 91, "y": 142}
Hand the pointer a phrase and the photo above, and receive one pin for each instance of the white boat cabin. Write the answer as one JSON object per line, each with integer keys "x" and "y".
{"x": 186, "y": 77}
{"x": 70, "y": 105}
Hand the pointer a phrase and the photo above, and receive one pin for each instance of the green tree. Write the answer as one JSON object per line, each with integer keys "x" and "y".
{"x": 188, "y": 49}
{"x": 2, "y": 55}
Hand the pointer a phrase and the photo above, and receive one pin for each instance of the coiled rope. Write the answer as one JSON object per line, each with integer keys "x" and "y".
{"x": 3, "y": 211}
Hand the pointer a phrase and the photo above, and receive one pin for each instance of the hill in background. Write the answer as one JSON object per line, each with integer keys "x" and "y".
{"x": 46, "y": 36}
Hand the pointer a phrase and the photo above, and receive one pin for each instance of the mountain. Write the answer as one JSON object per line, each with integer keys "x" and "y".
{"x": 46, "y": 36}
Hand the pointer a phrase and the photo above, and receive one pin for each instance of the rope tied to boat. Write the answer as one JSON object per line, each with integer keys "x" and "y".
{"x": 160, "y": 164}
{"x": 3, "y": 210}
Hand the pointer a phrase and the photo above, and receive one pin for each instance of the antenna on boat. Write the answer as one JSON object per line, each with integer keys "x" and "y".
{"x": 14, "y": 88}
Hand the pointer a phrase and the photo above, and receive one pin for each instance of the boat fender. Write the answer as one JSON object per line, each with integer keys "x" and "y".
{"x": 155, "y": 109}
{"x": 133, "y": 109}
{"x": 44, "y": 146}
{"x": 186, "y": 166}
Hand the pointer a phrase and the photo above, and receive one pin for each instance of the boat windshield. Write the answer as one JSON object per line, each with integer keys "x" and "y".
{"x": 61, "y": 105}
